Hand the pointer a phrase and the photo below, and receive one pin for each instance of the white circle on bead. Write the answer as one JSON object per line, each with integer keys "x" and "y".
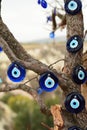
{"x": 72, "y": 8}
{"x": 49, "y": 79}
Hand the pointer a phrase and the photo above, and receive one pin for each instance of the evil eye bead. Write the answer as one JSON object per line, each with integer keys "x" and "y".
{"x": 48, "y": 81}
{"x": 52, "y": 35}
{"x": 44, "y": 4}
{"x": 74, "y": 44}
{"x": 74, "y": 128}
{"x": 39, "y": 91}
{"x": 39, "y": 1}
{"x": 16, "y": 72}
{"x": 75, "y": 102}
{"x": 79, "y": 75}
{"x": 49, "y": 18}
{"x": 73, "y": 6}
{"x": 1, "y": 49}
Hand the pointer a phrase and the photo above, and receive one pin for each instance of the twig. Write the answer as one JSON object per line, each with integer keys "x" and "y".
{"x": 48, "y": 66}
{"x": 56, "y": 62}
{"x": 46, "y": 126}
{"x": 30, "y": 80}
{"x": 60, "y": 4}
{"x": 85, "y": 35}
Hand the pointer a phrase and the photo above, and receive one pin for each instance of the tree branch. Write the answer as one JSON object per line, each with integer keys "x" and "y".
{"x": 7, "y": 87}
{"x": 36, "y": 66}
{"x": 75, "y": 26}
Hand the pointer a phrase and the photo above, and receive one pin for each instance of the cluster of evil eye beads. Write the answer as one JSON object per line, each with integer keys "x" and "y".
{"x": 43, "y": 3}
{"x": 48, "y": 82}
{"x": 75, "y": 43}
{"x": 75, "y": 102}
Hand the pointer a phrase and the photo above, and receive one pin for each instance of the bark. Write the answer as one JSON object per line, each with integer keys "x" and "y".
{"x": 75, "y": 26}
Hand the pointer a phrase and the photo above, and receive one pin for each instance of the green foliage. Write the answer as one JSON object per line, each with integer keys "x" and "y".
{"x": 1, "y": 113}
{"x": 52, "y": 101}
{"x": 28, "y": 112}
{"x": 6, "y": 97}
{"x": 38, "y": 117}
{"x": 23, "y": 107}
{"x": 19, "y": 103}
{"x": 22, "y": 121}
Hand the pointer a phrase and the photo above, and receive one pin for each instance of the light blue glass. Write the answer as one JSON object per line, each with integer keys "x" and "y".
{"x": 81, "y": 75}
{"x": 72, "y": 5}
{"x": 73, "y": 43}
{"x": 1, "y": 81}
{"x": 49, "y": 82}
{"x": 52, "y": 35}
{"x": 16, "y": 72}
{"x": 74, "y": 103}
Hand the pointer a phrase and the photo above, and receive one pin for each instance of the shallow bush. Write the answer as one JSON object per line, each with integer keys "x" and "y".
{"x": 28, "y": 112}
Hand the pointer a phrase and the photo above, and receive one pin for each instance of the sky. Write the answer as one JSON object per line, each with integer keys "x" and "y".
{"x": 27, "y": 20}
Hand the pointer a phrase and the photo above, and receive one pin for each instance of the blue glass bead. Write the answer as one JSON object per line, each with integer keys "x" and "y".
{"x": 79, "y": 75}
{"x": 16, "y": 72}
{"x": 39, "y": 1}
{"x": 39, "y": 91}
{"x": 75, "y": 102}
{"x": 73, "y": 6}
{"x": 74, "y": 44}
{"x": 74, "y": 128}
{"x": 52, "y": 35}
{"x": 48, "y": 81}
{"x": 1, "y": 49}
{"x": 44, "y": 4}
{"x": 49, "y": 18}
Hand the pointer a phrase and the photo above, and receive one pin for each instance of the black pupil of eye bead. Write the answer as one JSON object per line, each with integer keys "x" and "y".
{"x": 15, "y": 72}
{"x": 49, "y": 83}
{"x": 73, "y": 44}
{"x": 74, "y": 103}
{"x": 80, "y": 75}
{"x": 72, "y": 4}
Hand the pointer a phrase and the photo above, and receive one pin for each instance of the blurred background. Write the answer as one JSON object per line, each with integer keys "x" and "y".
{"x": 27, "y": 21}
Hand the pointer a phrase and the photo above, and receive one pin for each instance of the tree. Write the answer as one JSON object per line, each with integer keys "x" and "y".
{"x": 61, "y": 117}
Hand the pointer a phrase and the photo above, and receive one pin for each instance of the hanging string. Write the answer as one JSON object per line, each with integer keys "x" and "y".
{"x": 30, "y": 80}
{"x": 56, "y": 62}
{"x": 36, "y": 77}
